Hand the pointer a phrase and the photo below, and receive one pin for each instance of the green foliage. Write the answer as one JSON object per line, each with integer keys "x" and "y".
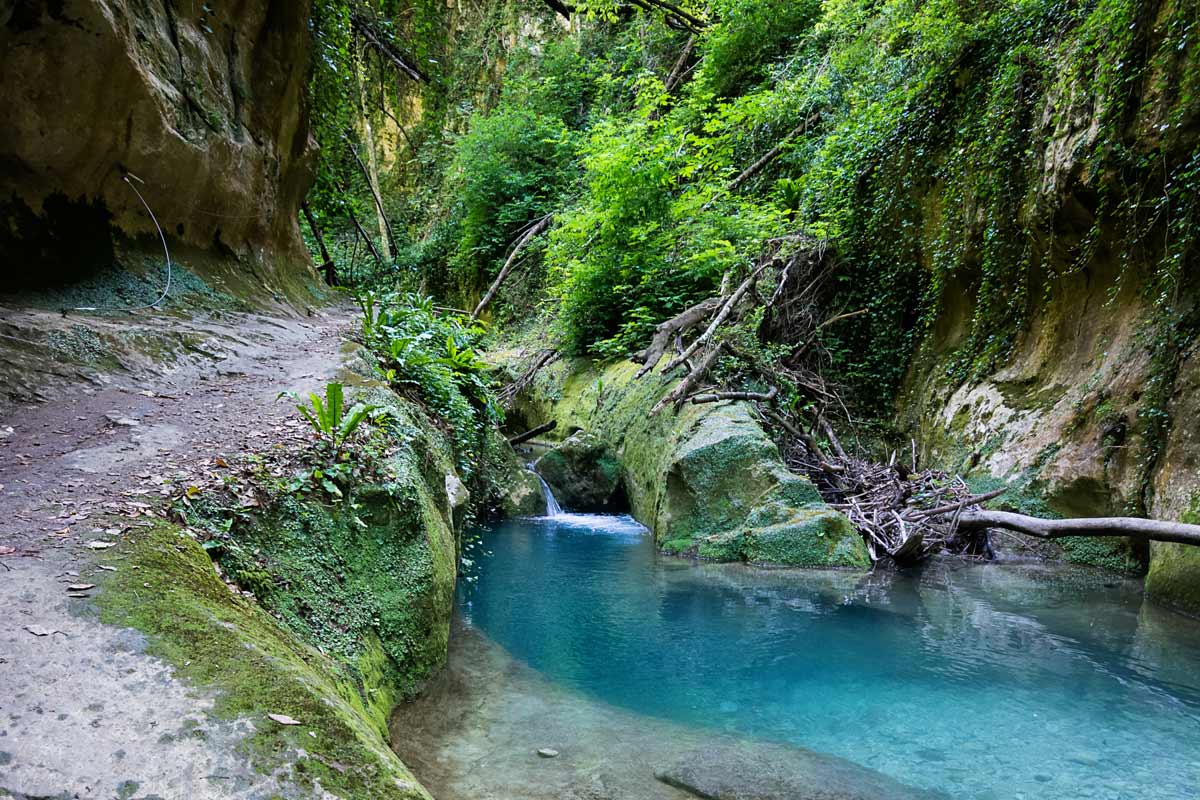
{"x": 512, "y": 168}
{"x": 329, "y": 417}
{"x": 957, "y": 156}
{"x": 432, "y": 358}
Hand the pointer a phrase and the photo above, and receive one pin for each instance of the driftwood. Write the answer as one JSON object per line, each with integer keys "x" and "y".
{"x": 1133, "y": 527}
{"x": 536, "y": 228}
{"x": 679, "y": 70}
{"x": 521, "y": 438}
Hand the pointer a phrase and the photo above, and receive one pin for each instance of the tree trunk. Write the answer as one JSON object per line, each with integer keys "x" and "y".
{"x": 532, "y": 432}
{"x": 327, "y": 265}
{"x": 1133, "y": 527}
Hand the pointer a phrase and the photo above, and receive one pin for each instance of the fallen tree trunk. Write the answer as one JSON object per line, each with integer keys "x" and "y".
{"x": 1133, "y": 527}
{"x": 521, "y": 438}
{"x": 678, "y": 324}
{"x": 537, "y": 228}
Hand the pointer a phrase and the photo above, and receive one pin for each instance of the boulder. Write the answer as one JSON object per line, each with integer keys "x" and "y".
{"x": 583, "y": 473}
{"x": 706, "y": 479}
{"x": 523, "y": 495}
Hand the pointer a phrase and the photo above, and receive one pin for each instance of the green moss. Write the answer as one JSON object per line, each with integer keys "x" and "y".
{"x": 220, "y": 641}
{"x": 697, "y": 476}
{"x": 1174, "y": 577}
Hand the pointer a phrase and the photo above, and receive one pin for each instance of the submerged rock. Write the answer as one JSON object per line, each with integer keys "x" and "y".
{"x": 732, "y": 772}
{"x": 583, "y": 473}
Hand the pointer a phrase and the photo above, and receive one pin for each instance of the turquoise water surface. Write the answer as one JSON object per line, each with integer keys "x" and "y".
{"x": 996, "y": 681}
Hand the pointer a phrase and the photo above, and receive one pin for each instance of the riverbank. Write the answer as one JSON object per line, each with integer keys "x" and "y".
{"x": 123, "y": 639}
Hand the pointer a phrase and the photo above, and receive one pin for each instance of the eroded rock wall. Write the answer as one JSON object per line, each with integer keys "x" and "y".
{"x": 203, "y": 102}
{"x": 1093, "y": 411}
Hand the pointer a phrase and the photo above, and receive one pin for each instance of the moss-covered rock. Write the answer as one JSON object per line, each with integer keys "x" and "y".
{"x": 583, "y": 473}
{"x": 1174, "y": 577}
{"x": 165, "y": 586}
{"x": 696, "y": 476}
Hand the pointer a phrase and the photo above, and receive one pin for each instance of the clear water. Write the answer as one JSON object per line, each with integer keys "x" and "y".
{"x": 980, "y": 681}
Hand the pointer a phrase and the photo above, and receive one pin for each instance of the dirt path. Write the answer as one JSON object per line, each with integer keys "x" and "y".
{"x": 83, "y": 711}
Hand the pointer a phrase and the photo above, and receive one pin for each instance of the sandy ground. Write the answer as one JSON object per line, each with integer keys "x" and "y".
{"x": 83, "y": 711}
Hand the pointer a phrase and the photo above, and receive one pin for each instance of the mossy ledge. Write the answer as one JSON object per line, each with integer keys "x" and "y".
{"x": 328, "y": 610}
{"x": 166, "y": 587}
{"x": 706, "y": 479}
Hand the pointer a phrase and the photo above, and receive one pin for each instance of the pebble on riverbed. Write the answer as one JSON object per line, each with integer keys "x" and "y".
{"x": 547, "y": 752}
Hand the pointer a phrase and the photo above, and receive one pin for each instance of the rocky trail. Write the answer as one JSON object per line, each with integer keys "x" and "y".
{"x": 117, "y": 447}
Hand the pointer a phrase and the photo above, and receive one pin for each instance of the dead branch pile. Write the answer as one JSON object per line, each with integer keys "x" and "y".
{"x": 901, "y": 512}
{"x": 905, "y": 514}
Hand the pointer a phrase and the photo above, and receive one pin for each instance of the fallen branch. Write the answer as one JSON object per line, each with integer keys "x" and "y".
{"x": 771, "y": 154}
{"x": 666, "y": 331}
{"x": 510, "y": 392}
{"x": 677, "y": 394}
{"x": 961, "y": 504}
{"x": 533, "y": 231}
{"x": 1133, "y": 527}
{"x": 715, "y": 397}
{"x": 366, "y": 238}
{"x": 386, "y": 49}
{"x": 726, "y": 310}
{"x": 374, "y": 191}
{"x": 521, "y": 438}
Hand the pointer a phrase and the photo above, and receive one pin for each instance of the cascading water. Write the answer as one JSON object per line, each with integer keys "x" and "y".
{"x": 553, "y": 509}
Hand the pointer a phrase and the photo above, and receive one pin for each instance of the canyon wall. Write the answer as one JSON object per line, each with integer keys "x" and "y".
{"x": 201, "y": 104}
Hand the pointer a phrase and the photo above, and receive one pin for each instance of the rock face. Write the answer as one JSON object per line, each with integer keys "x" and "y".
{"x": 583, "y": 473}
{"x": 706, "y": 479}
{"x": 204, "y": 103}
{"x": 1093, "y": 410}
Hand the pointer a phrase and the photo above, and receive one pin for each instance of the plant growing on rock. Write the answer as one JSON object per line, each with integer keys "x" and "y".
{"x": 329, "y": 417}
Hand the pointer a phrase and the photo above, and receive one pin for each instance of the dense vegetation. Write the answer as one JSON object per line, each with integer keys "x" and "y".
{"x": 924, "y": 142}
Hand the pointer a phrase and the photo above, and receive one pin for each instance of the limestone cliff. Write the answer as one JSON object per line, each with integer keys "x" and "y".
{"x": 204, "y": 103}
{"x": 1092, "y": 409}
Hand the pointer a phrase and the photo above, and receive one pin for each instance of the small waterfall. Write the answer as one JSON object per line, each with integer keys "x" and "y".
{"x": 553, "y": 509}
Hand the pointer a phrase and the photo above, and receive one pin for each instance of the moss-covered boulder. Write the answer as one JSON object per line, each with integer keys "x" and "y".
{"x": 701, "y": 477}
{"x": 583, "y": 473}
{"x": 777, "y": 533}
